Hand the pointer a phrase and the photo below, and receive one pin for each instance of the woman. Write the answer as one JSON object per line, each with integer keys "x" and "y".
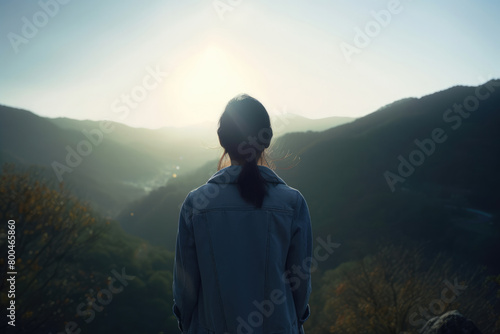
{"x": 242, "y": 262}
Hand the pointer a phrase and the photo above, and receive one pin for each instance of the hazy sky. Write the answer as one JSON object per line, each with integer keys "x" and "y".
{"x": 169, "y": 63}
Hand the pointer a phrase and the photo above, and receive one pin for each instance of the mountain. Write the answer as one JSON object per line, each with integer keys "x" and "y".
{"x": 99, "y": 170}
{"x": 420, "y": 170}
{"x": 206, "y": 131}
{"x": 288, "y": 122}
{"x": 110, "y": 164}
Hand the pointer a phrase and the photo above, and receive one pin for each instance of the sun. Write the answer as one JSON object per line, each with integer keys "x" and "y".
{"x": 205, "y": 82}
{"x": 212, "y": 74}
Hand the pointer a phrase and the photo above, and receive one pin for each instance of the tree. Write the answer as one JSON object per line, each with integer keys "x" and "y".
{"x": 398, "y": 290}
{"x": 52, "y": 230}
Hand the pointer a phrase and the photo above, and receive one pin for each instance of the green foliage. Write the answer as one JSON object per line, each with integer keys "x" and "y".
{"x": 67, "y": 254}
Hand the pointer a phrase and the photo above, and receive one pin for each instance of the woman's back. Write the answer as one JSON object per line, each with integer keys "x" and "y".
{"x": 243, "y": 265}
{"x": 246, "y": 284}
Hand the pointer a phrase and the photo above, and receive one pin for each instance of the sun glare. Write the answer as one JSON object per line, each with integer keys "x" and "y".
{"x": 205, "y": 82}
{"x": 211, "y": 74}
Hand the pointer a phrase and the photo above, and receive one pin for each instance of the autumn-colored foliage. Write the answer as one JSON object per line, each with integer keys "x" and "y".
{"x": 397, "y": 290}
{"x": 52, "y": 230}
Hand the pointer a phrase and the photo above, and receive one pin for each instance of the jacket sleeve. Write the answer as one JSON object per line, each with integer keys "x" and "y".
{"x": 298, "y": 266}
{"x": 186, "y": 275}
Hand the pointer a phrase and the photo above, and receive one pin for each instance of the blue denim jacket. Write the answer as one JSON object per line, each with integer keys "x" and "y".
{"x": 239, "y": 269}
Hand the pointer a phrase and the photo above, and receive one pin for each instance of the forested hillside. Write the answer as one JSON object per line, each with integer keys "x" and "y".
{"x": 403, "y": 201}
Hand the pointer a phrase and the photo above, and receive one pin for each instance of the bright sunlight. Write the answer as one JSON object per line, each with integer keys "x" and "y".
{"x": 205, "y": 82}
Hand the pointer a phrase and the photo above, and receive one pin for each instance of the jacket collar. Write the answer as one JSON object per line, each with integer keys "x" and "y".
{"x": 230, "y": 175}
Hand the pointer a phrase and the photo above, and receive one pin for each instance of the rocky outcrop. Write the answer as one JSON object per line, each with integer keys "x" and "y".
{"x": 451, "y": 322}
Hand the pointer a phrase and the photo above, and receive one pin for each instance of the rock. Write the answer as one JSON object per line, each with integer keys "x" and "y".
{"x": 451, "y": 322}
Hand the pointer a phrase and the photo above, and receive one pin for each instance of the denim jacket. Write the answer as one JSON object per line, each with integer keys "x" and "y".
{"x": 239, "y": 269}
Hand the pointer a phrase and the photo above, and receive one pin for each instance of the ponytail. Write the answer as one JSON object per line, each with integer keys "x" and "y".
{"x": 244, "y": 133}
{"x": 251, "y": 184}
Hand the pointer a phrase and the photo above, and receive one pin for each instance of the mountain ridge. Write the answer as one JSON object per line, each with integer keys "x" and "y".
{"x": 341, "y": 170}
{"x": 107, "y": 164}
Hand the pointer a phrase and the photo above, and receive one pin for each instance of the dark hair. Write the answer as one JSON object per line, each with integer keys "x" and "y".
{"x": 244, "y": 133}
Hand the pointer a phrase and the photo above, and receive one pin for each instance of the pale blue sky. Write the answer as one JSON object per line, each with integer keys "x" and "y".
{"x": 89, "y": 54}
